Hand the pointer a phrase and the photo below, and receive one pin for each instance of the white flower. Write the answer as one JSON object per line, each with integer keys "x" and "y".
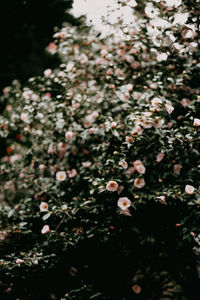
{"x": 139, "y": 183}
{"x": 43, "y": 206}
{"x": 61, "y": 175}
{"x": 139, "y": 166}
{"x": 69, "y": 135}
{"x": 189, "y": 189}
{"x": 124, "y": 203}
{"x": 123, "y": 164}
{"x": 196, "y": 122}
{"x": 24, "y": 117}
{"x": 47, "y": 72}
{"x": 160, "y": 157}
{"x": 169, "y": 108}
{"x": 162, "y": 57}
{"x": 45, "y": 229}
{"x": 112, "y": 186}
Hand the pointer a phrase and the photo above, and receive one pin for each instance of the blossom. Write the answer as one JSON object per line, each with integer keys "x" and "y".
{"x": 47, "y": 72}
{"x": 72, "y": 173}
{"x": 169, "y": 108}
{"x": 61, "y": 175}
{"x": 129, "y": 87}
{"x": 160, "y": 157}
{"x": 112, "y": 186}
{"x": 136, "y": 289}
{"x": 69, "y": 135}
{"x": 139, "y": 166}
{"x": 45, "y": 229}
{"x": 123, "y": 164}
{"x": 125, "y": 212}
{"x": 158, "y": 122}
{"x": 177, "y": 168}
{"x": 19, "y": 261}
{"x": 113, "y": 124}
{"x": 189, "y": 189}
{"x": 104, "y": 52}
{"x": 24, "y": 117}
{"x": 124, "y": 203}
{"x": 139, "y": 183}
{"x": 196, "y": 122}
{"x": 86, "y": 164}
{"x": 162, "y": 199}
{"x": 43, "y": 206}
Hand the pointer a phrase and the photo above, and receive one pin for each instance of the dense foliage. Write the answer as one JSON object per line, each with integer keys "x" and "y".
{"x": 107, "y": 148}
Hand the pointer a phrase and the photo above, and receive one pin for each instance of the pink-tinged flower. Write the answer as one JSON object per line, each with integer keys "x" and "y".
{"x": 129, "y": 87}
{"x": 45, "y": 229}
{"x": 160, "y": 157}
{"x": 196, "y": 122}
{"x": 170, "y": 124}
{"x": 61, "y": 175}
{"x": 51, "y": 149}
{"x": 123, "y": 164}
{"x": 24, "y": 117}
{"x": 136, "y": 289}
{"x": 3, "y": 234}
{"x": 139, "y": 183}
{"x": 120, "y": 189}
{"x": 125, "y": 212}
{"x": 19, "y": 261}
{"x": 158, "y": 122}
{"x": 129, "y": 139}
{"x": 177, "y": 168}
{"x": 47, "y": 72}
{"x": 94, "y": 114}
{"x": 44, "y": 206}
{"x": 139, "y": 166}
{"x": 162, "y": 199}
{"x": 113, "y": 124}
{"x": 42, "y": 167}
{"x": 185, "y": 102}
{"x": 156, "y": 102}
{"x": 104, "y": 52}
{"x": 198, "y": 98}
{"x": 189, "y": 189}
{"x": 69, "y": 135}
{"x": 112, "y": 186}
{"x": 136, "y": 130}
{"x": 169, "y": 108}
{"x": 86, "y": 164}
{"x": 72, "y": 173}
{"x": 52, "y": 47}
{"x": 124, "y": 203}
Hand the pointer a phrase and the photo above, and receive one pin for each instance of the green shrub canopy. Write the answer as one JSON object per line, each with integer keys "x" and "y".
{"x": 113, "y": 130}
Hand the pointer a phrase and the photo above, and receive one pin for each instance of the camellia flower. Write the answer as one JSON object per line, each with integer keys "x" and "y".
{"x": 45, "y": 229}
{"x": 160, "y": 157}
{"x": 61, "y": 175}
{"x": 44, "y": 206}
{"x": 177, "y": 168}
{"x": 136, "y": 289}
{"x": 124, "y": 203}
{"x": 86, "y": 164}
{"x": 123, "y": 164}
{"x": 19, "y": 261}
{"x": 189, "y": 189}
{"x": 162, "y": 199}
{"x": 112, "y": 186}
{"x": 139, "y": 166}
{"x": 47, "y": 72}
{"x": 169, "y": 108}
{"x": 69, "y": 135}
{"x": 113, "y": 124}
{"x": 139, "y": 183}
{"x": 196, "y": 122}
{"x": 72, "y": 173}
{"x": 24, "y": 117}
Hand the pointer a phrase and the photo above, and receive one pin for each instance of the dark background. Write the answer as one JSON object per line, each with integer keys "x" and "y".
{"x": 26, "y": 28}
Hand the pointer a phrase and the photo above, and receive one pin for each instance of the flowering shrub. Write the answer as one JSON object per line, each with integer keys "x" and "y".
{"x": 106, "y": 147}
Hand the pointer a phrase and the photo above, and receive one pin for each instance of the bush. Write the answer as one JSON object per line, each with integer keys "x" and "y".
{"x": 103, "y": 161}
